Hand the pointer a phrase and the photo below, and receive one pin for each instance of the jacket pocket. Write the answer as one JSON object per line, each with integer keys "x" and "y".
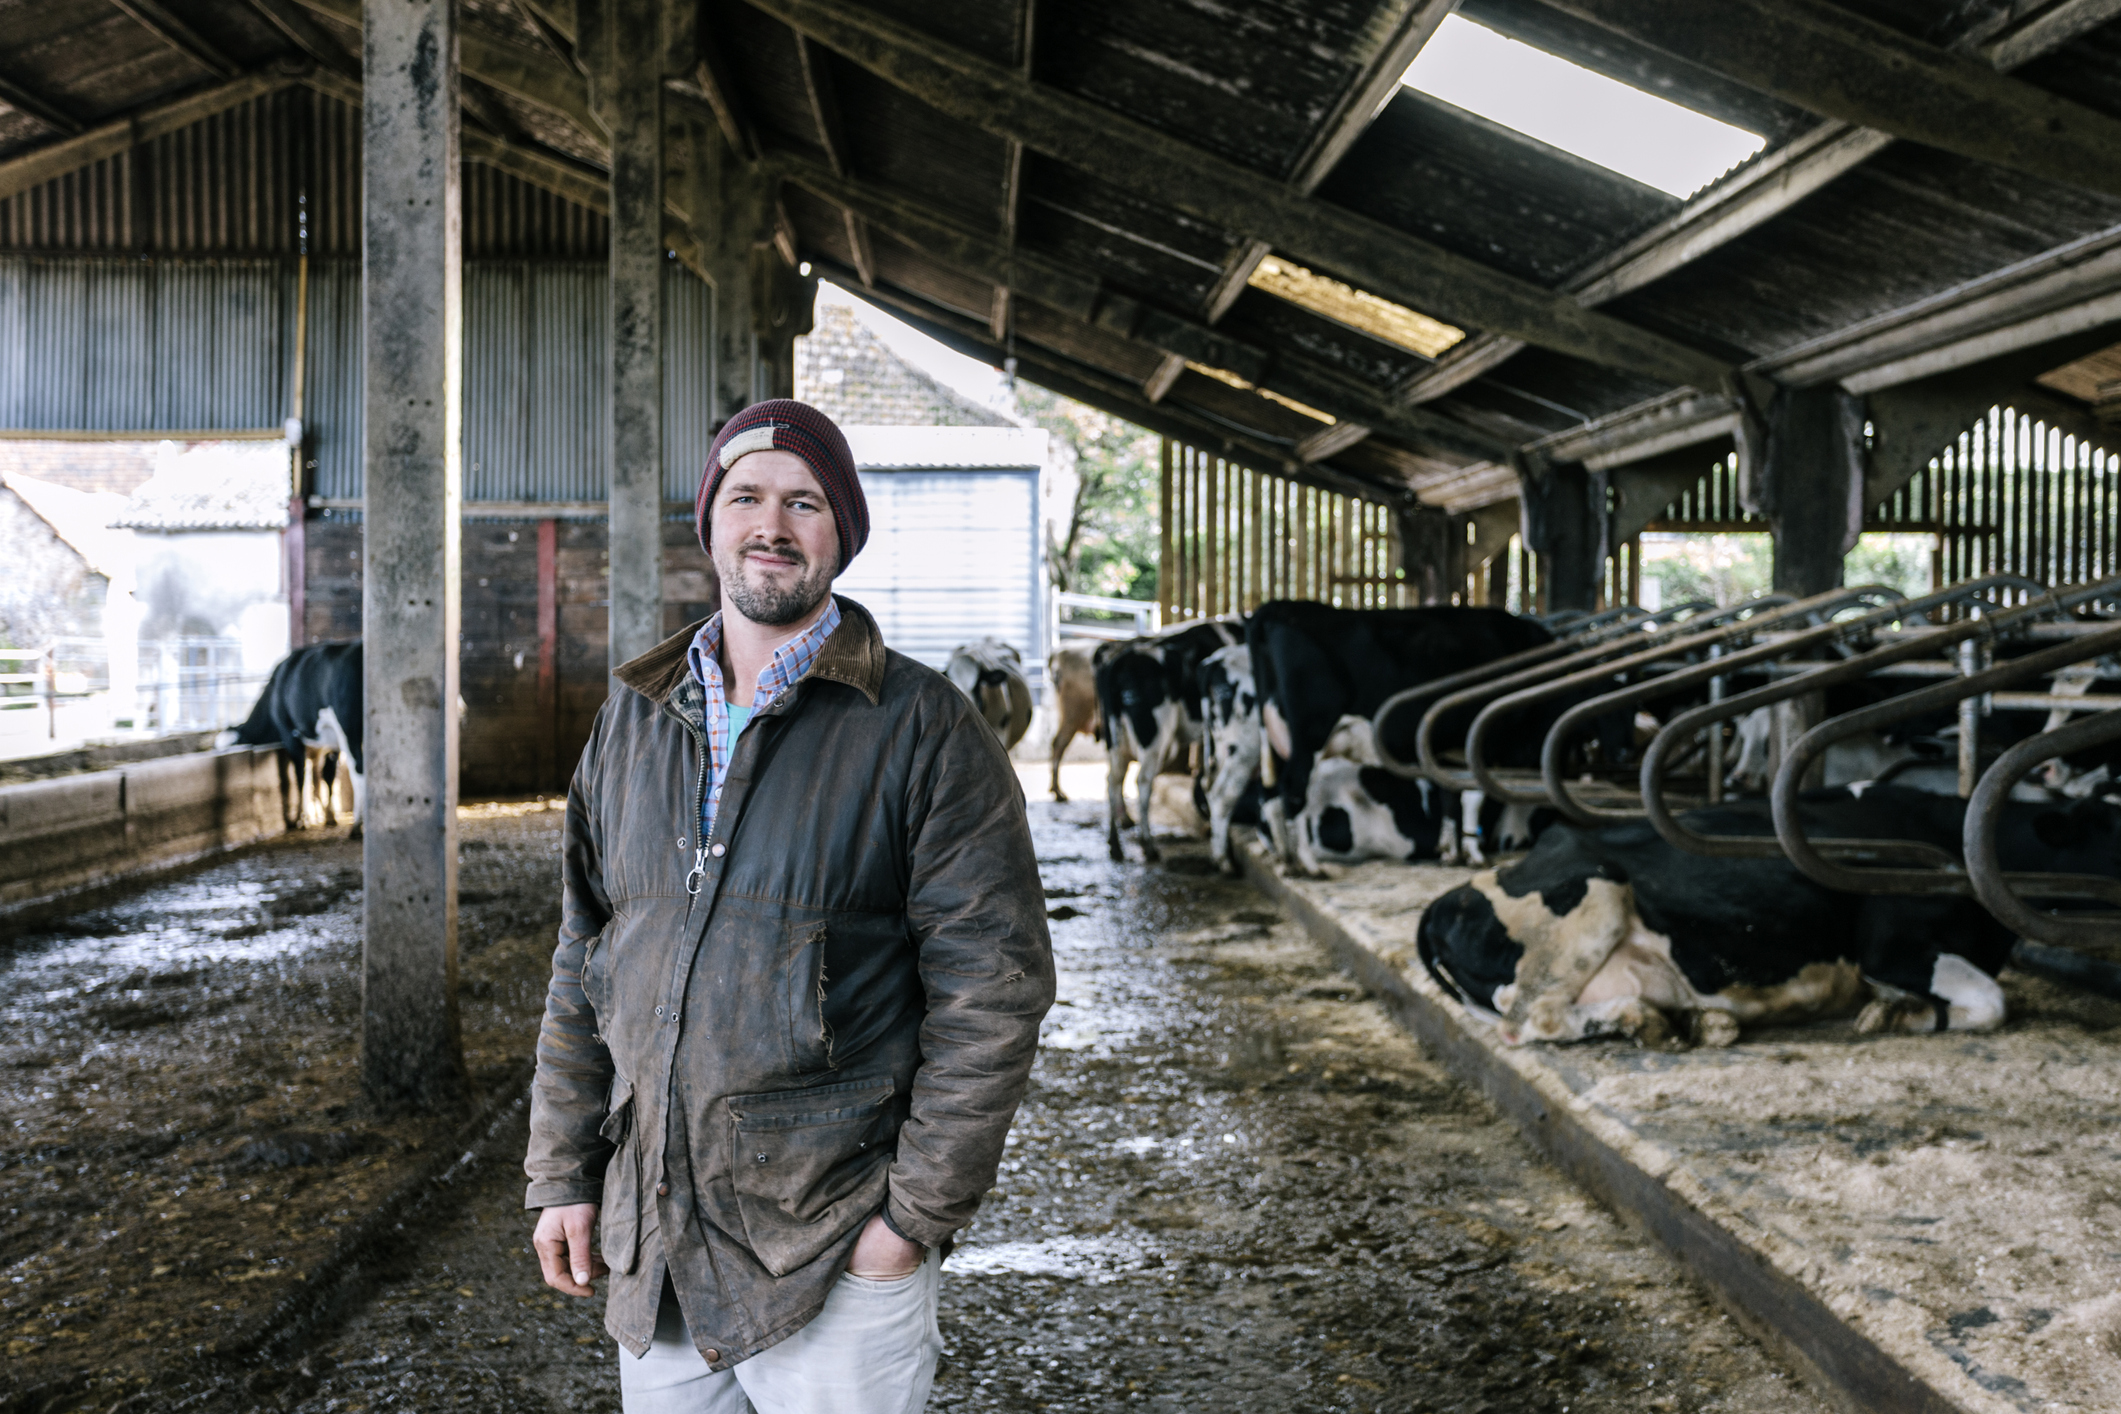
{"x": 803, "y": 993}
{"x": 620, "y": 1214}
{"x": 808, "y": 1165}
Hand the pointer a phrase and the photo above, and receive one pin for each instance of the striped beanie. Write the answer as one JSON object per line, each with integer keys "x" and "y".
{"x": 785, "y": 425}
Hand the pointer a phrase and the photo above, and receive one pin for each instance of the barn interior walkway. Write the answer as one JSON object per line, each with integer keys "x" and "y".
{"x": 1236, "y": 1183}
{"x": 1947, "y": 1199}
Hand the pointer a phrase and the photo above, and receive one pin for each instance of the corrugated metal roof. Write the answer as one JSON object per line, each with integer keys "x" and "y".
{"x": 890, "y": 448}
{"x": 1260, "y": 85}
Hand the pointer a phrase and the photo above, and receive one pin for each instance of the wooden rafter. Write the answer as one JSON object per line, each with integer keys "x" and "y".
{"x": 712, "y": 84}
{"x": 158, "y": 21}
{"x": 37, "y": 106}
{"x": 1175, "y": 338}
{"x": 1174, "y": 173}
{"x": 1374, "y": 86}
{"x": 1758, "y": 194}
{"x": 55, "y": 159}
{"x": 533, "y": 75}
{"x": 306, "y": 34}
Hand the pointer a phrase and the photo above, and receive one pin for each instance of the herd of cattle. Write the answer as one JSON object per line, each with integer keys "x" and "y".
{"x": 1600, "y": 929}
{"x": 1291, "y": 718}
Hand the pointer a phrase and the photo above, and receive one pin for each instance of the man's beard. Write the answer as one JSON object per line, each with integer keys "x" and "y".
{"x": 768, "y": 605}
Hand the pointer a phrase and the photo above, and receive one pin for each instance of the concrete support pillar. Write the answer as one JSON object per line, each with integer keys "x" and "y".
{"x": 634, "y": 104}
{"x": 412, "y": 341}
{"x": 1811, "y": 485}
{"x": 1564, "y": 528}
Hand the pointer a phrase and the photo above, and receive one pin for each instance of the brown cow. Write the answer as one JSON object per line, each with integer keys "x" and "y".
{"x": 1072, "y": 682}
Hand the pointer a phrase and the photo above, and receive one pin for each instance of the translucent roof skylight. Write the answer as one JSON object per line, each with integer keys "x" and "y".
{"x": 1565, "y": 105}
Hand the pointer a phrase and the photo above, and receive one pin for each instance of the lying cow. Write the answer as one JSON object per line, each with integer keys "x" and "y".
{"x": 1071, "y": 680}
{"x": 1314, "y": 664}
{"x": 311, "y": 707}
{"x": 991, "y": 674}
{"x": 1614, "y": 932}
{"x": 1148, "y": 703}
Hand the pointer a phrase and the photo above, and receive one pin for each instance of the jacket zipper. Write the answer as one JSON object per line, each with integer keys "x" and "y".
{"x": 699, "y": 810}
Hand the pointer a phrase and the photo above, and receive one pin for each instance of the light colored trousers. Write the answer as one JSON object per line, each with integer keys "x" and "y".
{"x": 871, "y": 1350}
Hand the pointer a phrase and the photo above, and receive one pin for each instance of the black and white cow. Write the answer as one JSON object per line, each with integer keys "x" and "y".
{"x": 1148, "y": 702}
{"x": 991, "y": 673}
{"x": 1314, "y": 664}
{"x": 1614, "y": 932}
{"x": 1230, "y": 737}
{"x": 312, "y": 704}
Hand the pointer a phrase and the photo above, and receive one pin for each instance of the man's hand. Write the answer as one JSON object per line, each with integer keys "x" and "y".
{"x": 562, "y": 1244}
{"x": 882, "y": 1255}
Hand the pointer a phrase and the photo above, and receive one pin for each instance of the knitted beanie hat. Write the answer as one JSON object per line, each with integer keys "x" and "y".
{"x": 785, "y": 425}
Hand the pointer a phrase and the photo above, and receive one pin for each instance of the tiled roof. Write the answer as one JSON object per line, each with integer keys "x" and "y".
{"x": 213, "y": 486}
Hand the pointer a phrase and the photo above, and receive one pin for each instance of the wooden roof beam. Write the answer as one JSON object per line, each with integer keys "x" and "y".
{"x": 152, "y": 17}
{"x": 533, "y": 75}
{"x": 1210, "y": 188}
{"x": 307, "y": 35}
{"x": 1762, "y": 191}
{"x": 1078, "y": 295}
{"x": 55, "y": 159}
{"x": 37, "y": 106}
{"x": 1403, "y": 39}
{"x": 713, "y": 85}
{"x": 1816, "y": 55}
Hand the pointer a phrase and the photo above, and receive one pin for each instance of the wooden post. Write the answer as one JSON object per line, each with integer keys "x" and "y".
{"x": 412, "y": 336}
{"x": 549, "y": 654}
{"x": 1166, "y": 529}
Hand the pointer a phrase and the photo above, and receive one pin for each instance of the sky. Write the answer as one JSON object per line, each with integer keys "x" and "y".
{"x": 1564, "y": 105}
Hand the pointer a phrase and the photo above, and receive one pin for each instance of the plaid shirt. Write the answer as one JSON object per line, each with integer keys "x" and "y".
{"x": 789, "y": 663}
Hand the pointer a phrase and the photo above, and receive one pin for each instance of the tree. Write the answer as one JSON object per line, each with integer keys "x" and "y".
{"x": 1109, "y": 541}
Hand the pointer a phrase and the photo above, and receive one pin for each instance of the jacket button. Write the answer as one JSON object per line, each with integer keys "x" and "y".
{"x": 719, "y": 850}
{"x": 662, "y": 1190}
{"x": 712, "y": 1355}
{"x": 759, "y": 1158}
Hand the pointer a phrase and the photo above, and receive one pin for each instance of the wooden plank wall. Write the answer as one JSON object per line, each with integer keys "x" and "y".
{"x": 1234, "y": 537}
{"x": 2011, "y": 494}
{"x": 534, "y": 638}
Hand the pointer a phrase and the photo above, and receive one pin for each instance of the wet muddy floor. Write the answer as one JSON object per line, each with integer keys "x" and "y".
{"x": 1235, "y": 1185}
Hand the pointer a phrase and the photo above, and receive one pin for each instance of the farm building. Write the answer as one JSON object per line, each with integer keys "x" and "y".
{"x": 1636, "y": 521}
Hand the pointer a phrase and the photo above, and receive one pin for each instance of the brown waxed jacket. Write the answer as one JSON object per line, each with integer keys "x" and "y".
{"x": 840, "y": 1020}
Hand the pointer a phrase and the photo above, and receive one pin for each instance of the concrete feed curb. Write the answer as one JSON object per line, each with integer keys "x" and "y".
{"x": 1631, "y": 1175}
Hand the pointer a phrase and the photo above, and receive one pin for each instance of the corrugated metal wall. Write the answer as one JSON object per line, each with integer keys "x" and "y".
{"x": 688, "y": 379}
{"x": 932, "y": 534}
{"x": 110, "y": 345}
{"x": 129, "y": 345}
{"x": 245, "y": 182}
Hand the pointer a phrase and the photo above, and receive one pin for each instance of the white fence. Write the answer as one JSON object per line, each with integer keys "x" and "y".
{"x": 179, "y": 685}
{"x": 1097, "y": 616}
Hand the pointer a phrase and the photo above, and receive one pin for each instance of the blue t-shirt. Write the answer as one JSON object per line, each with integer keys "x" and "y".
{"x": 739, "y": 718}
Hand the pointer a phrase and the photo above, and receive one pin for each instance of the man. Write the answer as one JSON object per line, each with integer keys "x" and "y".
{"x": 802, "y": 964}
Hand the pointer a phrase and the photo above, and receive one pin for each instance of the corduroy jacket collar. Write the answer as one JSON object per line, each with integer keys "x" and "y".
{"x": 853, "y": 655}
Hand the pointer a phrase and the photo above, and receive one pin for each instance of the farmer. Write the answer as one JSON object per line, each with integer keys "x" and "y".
{"x": 802, "y": 965}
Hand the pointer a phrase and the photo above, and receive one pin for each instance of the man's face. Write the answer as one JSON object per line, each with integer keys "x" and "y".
{"x": 773, "y": 538}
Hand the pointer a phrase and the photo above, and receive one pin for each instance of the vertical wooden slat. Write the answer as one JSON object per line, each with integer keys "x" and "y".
{"x": 1166, "y": 560}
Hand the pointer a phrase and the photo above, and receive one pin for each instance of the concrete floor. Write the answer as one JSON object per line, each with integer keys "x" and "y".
{"x": 1235, "y": 1184}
